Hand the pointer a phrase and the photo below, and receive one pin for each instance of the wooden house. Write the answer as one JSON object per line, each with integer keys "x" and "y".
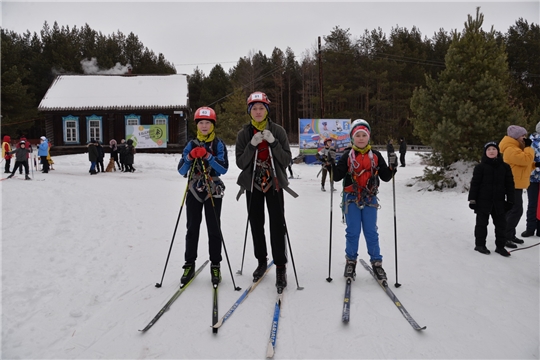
{"x": 80, "y": 108}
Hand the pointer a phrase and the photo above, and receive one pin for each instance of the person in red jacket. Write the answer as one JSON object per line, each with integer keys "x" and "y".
{"x": 6, "y": 148}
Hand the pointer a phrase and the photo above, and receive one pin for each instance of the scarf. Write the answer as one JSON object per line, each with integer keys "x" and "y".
{"x": 362, "y": 151}
{"x": 206, "y": 138}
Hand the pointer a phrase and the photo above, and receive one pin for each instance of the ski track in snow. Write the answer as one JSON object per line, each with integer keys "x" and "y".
{"x": 81, "y": 255}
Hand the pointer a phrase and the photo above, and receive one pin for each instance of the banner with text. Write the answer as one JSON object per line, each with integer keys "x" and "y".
{"x": 147, "y": 136}
{"x": 313, "y": 132}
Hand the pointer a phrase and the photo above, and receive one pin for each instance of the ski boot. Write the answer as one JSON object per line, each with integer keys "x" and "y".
{"x": 189, "y": 272}
{"x": 260, "y": 270}
{"x": 216, "y": 274}
{"x": 350, "y": 269}
{"x": 322, "y": 188}
{"x": 10, "y": 176}
{"x": 26, "y": 177}
{"x": 281, "y": 278}
{"x": 379, "y": 272}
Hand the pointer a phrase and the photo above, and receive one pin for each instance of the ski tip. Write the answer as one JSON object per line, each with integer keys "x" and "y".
{"x": 270, "y": 351}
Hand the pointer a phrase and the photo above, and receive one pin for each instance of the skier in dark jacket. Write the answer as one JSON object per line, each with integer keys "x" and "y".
{"x": 327, "y": 156}
{"x": 361, "y": 167}
{"x": 205, "y": 159}
{"x": 21, "y": 159}
{"x": 101, "y": 156}
{"x": 262, "y": 148}
{"x": 491, "y": 193}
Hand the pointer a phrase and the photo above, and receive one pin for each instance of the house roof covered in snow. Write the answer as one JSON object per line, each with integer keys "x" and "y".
{"x": 116, "y": 92}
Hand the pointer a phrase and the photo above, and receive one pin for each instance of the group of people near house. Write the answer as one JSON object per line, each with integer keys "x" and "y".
{"x": 262, "y": 153}
{"x": 506, "y": 170}
{"x": 21, "y": 152}
{"x": 122, "y": 156}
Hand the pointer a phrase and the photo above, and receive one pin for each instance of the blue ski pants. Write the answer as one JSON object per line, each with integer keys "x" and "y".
{"x": 358, "y": 219}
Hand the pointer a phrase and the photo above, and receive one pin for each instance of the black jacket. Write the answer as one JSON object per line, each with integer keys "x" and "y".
{"x": 492, "y": 183}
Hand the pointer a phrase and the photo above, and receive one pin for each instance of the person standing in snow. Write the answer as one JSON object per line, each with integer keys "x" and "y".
{"x": 533, "y": 224}
{"x": 327, "y": 157}
{"x": 402, "y": 151}
{"x": 43, "y": 151}
{"x": 262, "y": 150}
{"x": 21, "y": 159}
{"x": 517, "y": 152}
{"x": 92, "y": 156}
{"x": 101, "y": 156}
{"x": 6, "y": 148}
{"x": 49, "y": 158}
{"x": 491, "y": 193}
{"x": 122, "y": 154}
{"x": 114, "y": 151}
{"x": 205, "y": 158}
{"x": 129, "y": 157}
{"x": 360, "y": 167}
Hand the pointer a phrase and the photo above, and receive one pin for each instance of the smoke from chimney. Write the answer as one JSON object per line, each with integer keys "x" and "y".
{"x": 90, "y": 67}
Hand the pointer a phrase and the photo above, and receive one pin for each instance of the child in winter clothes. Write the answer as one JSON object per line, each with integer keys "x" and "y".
{"x": 361, "y": 167}
{"x": 92, "y": 156}
{"x": 327, "y": 156}
{"x": 517, "y": 152}
{"x": 205, "y": 158}
{"x": 491, "y": 193}
{"x": 114, "y": 151}
{"x": 43, "y": 151}
{"x": 533, "y": 224}
{"x": 21, "y": 159}
{"x": 129, "y": 156}
{"x": 6, "y": 148}
{"x": 262, "y": 154}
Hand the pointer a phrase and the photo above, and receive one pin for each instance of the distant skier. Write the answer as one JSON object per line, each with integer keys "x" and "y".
{"x": 327, "y": 157}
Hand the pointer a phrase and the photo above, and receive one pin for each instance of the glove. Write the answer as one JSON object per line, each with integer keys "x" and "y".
{"x": 472, "y": 204}
{"x": 267, "y": 135}
{"x": 257, "y": 139}
{"x": 537, "y": 164}
{"x": 198, "y": 152}
{"x": 508, "y": 206}
{"x": 527, "y": 142}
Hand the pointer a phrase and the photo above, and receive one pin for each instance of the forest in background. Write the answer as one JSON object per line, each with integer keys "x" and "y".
{"x": 371, "y": 75}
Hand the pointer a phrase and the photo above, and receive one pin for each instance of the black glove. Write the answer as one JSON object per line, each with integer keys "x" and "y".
{"x": 472, "y": 204}
{"x": 537, "y": 164}
{"x": 508, "y": 206}
{"x": 527, "y": 142}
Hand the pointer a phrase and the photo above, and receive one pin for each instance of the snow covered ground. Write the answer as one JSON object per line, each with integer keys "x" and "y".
{"x": 81, "y": 255}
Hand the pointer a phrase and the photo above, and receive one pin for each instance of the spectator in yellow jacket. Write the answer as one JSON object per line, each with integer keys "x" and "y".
{"x": 517, "y": 152}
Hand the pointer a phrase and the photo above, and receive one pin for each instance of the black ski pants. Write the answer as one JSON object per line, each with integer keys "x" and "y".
{"x": 481, "y": 231}
{"x": 533, "y": 225}
{"x": 20, "y": 164}
{"x": 274, "y": 204}
{"x": 194, "y": 209}
{"x": 514, "y": 215}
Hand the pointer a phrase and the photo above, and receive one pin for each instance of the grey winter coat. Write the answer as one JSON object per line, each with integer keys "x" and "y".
{"x": 245, "y": 155}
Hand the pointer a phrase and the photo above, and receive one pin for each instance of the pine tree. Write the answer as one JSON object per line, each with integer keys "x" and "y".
{"x": 469, "y": 104}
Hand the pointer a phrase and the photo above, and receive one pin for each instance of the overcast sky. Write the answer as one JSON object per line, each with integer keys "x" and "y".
{"x": 203, "y": 34}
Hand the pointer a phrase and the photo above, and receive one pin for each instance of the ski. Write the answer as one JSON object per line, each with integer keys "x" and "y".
{"x": 270, "y": 349}
{"x": 242, "y": 297}
{"x": 347, "y": 302}
{"x": 215, "y": 309}
{"x": 173, "y": 299}
{"x": 392, "y": 296}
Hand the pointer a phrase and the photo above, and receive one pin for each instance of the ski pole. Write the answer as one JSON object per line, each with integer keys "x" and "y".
{"x": 526, "y": 247}
{"x": 209, "y": 189}
{"x": 329, "y": 278}
{"x": 239, "y": 272}
{"x": 298, "y": 287}
{"x": 158, "y": 285}
{"x": 397, "y": 284}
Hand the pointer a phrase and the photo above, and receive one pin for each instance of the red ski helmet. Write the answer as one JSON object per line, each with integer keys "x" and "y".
{"x": 205, "y": 113}
{"x": 258, "y": 97}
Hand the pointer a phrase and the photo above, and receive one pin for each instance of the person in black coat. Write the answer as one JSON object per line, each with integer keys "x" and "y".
{"x": 92, "y": 156}
{"x": 129, "y": 157}
{"x": 402, "y": 151}
{"x": 101, "y": 156}
{"x": 491, "y": 193}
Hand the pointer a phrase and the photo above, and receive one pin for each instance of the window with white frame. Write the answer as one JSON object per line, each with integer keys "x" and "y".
{"x": 132, "y": 121}
{"x": 94, "y": 129}
{"x": 70, "y": 129}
